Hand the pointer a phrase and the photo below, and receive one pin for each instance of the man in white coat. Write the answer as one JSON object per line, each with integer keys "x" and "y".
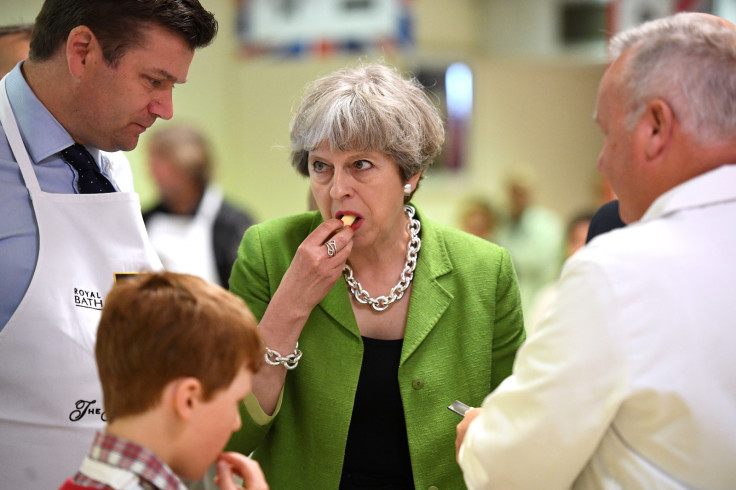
{"x": 629, "y": 381}
{"x": 99, "y": 73}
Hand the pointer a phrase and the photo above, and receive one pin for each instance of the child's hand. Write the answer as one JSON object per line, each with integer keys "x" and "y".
{"x": 229, "y": 464}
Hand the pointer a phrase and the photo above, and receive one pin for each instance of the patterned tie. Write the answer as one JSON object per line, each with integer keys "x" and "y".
{"x": 89, "y": 180}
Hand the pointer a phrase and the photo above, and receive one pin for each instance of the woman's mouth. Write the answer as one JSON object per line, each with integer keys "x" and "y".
{"x": 350, "y": 220}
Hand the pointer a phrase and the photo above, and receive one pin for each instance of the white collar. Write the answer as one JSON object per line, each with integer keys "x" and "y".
{"x": 715, "y": 186}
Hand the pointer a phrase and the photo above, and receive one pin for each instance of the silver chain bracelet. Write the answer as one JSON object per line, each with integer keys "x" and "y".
{"x": 273, "y": 358}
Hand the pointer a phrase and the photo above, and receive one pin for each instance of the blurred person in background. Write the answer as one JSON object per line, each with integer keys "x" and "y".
{"x": 477, "y": 217}
{"x": 575, "y": 236}
{"x": 193, "y": 227}
{"x": 605, "y": 219}
{"x": 532, "y": 234}
{"x": 15, "y": 42}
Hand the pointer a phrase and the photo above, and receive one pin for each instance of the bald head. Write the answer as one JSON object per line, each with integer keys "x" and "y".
{"x": 719, "y": 19}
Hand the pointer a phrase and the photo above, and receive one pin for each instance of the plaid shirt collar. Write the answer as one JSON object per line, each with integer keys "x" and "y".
{"x": 154, "y": 474}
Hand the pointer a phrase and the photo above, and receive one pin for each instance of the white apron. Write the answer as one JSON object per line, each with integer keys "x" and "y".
{"x": 50, "y": 396}
{"x": 184, "y": 243}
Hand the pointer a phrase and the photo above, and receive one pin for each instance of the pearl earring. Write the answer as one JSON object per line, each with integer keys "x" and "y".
{"x": 407, "y": 190}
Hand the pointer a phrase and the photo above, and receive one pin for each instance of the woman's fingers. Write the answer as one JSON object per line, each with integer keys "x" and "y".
{"x": 330, "y": 240}
{"x": 339, "y": 244}
{"x": 325, "y": 231}
{"x": 318, "y": 263}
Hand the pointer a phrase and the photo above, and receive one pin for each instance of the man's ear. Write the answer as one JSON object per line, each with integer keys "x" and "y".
{"x": 655, "y": 128}
{"x": 81, "y": 48}
{"x": 187, "y": 396}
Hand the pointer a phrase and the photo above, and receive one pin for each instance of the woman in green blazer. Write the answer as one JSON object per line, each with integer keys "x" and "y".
{"x": 375, "y": 318}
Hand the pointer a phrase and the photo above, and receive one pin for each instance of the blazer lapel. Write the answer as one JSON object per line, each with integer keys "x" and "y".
{"x": 337, "y": 305}
{"x": 429, "y": 299}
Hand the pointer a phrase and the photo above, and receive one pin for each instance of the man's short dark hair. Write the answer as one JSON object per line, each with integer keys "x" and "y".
{"x": 118, "y": 24}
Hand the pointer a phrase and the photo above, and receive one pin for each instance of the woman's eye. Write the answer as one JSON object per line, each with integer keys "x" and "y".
{"x": 318, "y": 166}
{"x": 363, "y": 164}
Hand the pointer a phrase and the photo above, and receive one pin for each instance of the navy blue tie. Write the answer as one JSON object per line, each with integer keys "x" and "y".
{"x": 89, "y": 180}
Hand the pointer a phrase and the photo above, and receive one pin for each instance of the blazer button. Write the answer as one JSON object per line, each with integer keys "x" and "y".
{"x": 433, "y": 488}
{"x": 418, "y": 384}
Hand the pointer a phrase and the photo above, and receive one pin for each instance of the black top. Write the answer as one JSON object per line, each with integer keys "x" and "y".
{"x": 377, "y": 451}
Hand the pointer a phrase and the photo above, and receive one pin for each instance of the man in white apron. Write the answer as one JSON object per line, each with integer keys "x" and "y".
{"x": 60, "y": 250}
{"x": 193, "y": 228}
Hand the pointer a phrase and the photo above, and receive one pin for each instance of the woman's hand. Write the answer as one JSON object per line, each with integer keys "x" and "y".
{"x": 313, "y": 271}
{"x": 229, "y": 464}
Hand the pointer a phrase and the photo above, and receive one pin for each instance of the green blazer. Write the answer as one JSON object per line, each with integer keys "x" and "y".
{"x": 463, "y": 329}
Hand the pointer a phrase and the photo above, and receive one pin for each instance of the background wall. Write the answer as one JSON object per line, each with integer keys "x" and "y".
{"x": 529, "y": 109}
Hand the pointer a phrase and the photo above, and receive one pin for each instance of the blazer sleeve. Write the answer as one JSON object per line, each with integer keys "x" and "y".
{"x": 250, "y": 281}
{"x": 264, "y": 256}
{"x": 508, "y": 334}
{"x": 249, "y": 278}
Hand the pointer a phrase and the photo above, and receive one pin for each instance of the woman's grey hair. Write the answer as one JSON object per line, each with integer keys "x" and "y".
{"x": 368, "y": 108}
{"x": 689, "y": 60}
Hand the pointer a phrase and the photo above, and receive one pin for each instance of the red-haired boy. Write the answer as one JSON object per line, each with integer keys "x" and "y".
{"x": 175, "y": 355}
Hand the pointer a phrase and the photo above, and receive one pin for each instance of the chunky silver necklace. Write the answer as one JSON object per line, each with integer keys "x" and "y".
{"x": 382, "y": 302}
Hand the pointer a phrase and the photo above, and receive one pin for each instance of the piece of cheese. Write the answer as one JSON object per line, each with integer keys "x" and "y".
{"x": 348, "y": 219}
